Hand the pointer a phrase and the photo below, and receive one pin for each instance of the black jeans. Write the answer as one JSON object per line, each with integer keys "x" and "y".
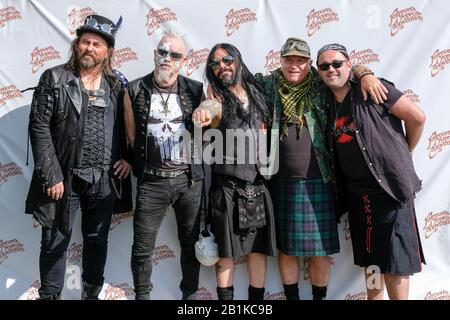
{"x": 154, "y": 195}
{"x": 97, "y": 204}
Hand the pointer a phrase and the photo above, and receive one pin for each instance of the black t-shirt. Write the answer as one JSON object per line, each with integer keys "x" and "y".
{"x": 349, "y": 154}
{"x": 297, "y": 157}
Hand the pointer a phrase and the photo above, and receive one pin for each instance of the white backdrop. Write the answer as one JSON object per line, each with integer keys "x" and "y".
{"x": 407, "y": 42}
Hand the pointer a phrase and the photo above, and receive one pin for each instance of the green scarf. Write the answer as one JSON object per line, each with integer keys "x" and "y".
{"x": 295, "y": 100}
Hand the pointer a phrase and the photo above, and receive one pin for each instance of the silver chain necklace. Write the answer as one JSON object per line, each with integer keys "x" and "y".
{"x": 165, "y": 103}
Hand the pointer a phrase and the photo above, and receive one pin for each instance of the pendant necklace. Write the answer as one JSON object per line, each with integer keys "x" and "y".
{"x": 165, "y": 103}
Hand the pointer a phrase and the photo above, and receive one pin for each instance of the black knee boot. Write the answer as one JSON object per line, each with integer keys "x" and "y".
{"x": 225, "y": 293}
{"x": 90, "y": 292}
{"x": 256, "y": 293}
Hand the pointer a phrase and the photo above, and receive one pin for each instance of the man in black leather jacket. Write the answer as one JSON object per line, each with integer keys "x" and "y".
{"x": 164, "y": 164}
{"x": 79, "y": 146}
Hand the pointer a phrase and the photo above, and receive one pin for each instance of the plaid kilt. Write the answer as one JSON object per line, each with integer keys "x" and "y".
{"x": 305, "y": 218}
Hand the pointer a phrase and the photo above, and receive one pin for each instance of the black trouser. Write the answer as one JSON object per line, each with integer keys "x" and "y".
{"x": 154, "y": 196}
{"x": 97, "y": 204}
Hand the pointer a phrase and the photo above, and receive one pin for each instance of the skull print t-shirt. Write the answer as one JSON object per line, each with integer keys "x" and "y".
{"x": 165, "y": 129}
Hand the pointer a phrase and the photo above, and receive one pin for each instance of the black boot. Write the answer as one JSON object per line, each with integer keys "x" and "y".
{"x": 225, "y": 293}
{"x": 142, "y": 285}
{"x": 44, "y": 296}
{"x": 90, "y": 292}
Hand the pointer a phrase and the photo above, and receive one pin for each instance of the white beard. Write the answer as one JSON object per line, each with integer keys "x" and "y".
{"x": 163, "y": 76}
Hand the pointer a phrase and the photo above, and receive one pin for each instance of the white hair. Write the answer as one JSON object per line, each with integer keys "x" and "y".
{"x": 172, "y": 34}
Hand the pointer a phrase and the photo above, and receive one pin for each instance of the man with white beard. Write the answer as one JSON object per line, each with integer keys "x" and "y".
{"x": 162, "y": 103}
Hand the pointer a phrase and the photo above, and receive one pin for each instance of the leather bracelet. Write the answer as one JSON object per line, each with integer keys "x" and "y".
{"x": 365, "y": 74}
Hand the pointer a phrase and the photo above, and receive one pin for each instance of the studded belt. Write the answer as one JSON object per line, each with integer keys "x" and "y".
{"x": 165, "y": 174}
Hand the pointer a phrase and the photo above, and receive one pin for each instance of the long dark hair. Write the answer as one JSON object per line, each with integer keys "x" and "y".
{"x": 74, "y": 61}
{"x": 231, "y": 104}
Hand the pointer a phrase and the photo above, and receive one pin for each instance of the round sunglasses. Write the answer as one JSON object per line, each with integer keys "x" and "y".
{"x": 227, "y": 60}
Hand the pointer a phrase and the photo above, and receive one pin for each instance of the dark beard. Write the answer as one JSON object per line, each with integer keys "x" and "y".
{"x": 228, "y": 82}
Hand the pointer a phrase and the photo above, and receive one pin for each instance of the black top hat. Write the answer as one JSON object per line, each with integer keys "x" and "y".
{"x": 101, "y": 26}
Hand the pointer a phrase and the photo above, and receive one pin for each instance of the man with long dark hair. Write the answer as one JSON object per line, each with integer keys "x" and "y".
{"x": 78, "y": 138}
{"x": 242, "y": 214}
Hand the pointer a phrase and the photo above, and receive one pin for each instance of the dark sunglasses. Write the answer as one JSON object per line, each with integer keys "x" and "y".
{"x": 92, "y": 22}
{"x": 336, "y": 65}
{"x": 172, "y": 54}
{"x": 227, "y": 60}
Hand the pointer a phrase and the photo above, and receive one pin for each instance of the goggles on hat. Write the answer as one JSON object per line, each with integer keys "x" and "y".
{"x": 105, "y": 27}
{"x": 291, "y": 44}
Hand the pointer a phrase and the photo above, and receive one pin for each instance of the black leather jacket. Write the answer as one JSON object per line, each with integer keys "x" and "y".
{"x": 55, "y": 130}
{"x": 140, "y": 90}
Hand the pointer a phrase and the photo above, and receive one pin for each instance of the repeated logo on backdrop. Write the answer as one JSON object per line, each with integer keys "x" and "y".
{"x": 436, "y": 221}
{"x": 9, "y": 14}
{"x": 9, "y": 247}
{"x": 272, "y": 61}
{"x": 32, "y": 292}
{"x": 439, "y": 60}
{"x": 203, "y": 294}
{"x": 440, "y": 295}
{"x": 235, "y": 18}
{"x": 162, "y": 253}
{"x": 74, "y": 253}
{"x": 40, "y": 56}
{"x": 194, "y": 59}
{"x": 119, "y": 218}
{"x": 365, "y": 57}
{"x": 437, "y": 142}
{"x": 8, "y": 170}
{"x": 274, "y": 296}
{"x": 8, "y": 93}
{"x": 317, "y": 18}
{"x": 122, "y": 56}
{"x": 76, "y": 17}
{"x": 400, "y": 17}
{"x": 155, "y": 18}
{"x": 118, "y": 291}
{"x": 412, "y": 96}
{"x": 356, "y": 296}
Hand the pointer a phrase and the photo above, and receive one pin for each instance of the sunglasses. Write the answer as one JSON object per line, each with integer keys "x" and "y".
{"x": 174, "y": 55}
{"x": 227, "y": 60}
{"x": 336, "y": 65}
{"x": 92, "y": 22}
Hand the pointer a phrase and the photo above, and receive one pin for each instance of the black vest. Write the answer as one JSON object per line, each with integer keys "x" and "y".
{"x": 140, "y": 90}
